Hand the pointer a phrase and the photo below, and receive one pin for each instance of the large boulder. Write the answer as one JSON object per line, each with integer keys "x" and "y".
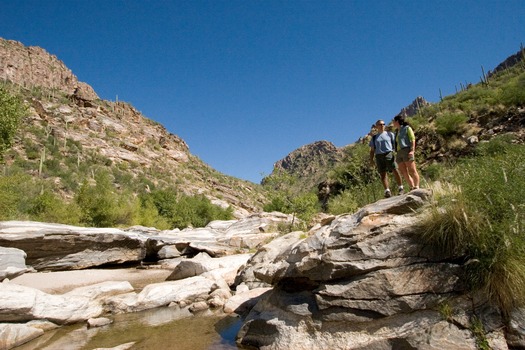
{"x": 202, "y": 263}
{"x": 13, "y": 335}
{"x": 19, "y": 303}
{"x": 59, "y": 247}
{"x": 12, "y": 263}
{"x": 364, "y": 280}
{"x": 183, "y": 292}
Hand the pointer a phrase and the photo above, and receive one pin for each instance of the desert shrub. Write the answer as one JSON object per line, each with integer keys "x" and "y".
{"x": 277, "y": 203}
{"x": 149, "y": 216}
{"x": 514, "y": 93}
{"x": 305, "y": 206}
{"x": 343, "y": 203}
{"x": 99, "y": 202}
{"x": 164, "y": 200}
{"x": 13, "y": 189}
{"x": 419, "y": 120}
{"x": 485, "y": 222}
{"x": 479, "y": 95}
{"x": 285, "y": 200}
{"x": 450, "y": 124}
{"x": 48, "y": 207}
{"x": 181, "y": 211}
{"x": 52, "y": 166}
{"x": 198, "y": 211}
{"x": 433, "y": 171}
{"x": 12, "y": 109}
{"x": 354, "y": 170}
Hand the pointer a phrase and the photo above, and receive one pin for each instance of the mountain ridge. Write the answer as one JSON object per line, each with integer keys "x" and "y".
{"x": 85, "y": 127}
{"x": 493, "y": 121}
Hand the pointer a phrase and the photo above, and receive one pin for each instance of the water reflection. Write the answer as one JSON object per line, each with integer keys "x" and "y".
{"x": 163, "y": 328}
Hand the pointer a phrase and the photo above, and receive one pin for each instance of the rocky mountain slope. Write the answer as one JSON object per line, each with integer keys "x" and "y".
{"x": 484, "y": 121}
{"x": 69, "y": 126}
{"x": 311, "y": 163}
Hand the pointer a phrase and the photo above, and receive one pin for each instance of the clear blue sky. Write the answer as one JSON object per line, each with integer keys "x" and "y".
{"x": 246, "y": 82}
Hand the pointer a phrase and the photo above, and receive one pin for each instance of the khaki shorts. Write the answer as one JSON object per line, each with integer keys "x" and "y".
{"x": 403, "y": 156}
{"x": 386, "y": 162}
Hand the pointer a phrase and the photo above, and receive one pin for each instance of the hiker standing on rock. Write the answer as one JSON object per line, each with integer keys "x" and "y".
{"x": 382, "y": 146}
{"x": 406, "y": 148}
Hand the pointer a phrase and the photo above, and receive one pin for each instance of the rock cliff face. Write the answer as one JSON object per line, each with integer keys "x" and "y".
{"x": 33, "y": 66}
{"x": 364, "y": 281}
{"x": 110, "y": 134}
{"x": 509, "y": 62}
{"x": 310, "y": 163}
{"x": 414, "y": 107}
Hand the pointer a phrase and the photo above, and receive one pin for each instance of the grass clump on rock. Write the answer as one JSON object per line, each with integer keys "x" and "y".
{"x": 483, "y": 221}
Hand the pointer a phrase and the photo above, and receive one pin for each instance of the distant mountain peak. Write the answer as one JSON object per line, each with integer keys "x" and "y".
{"x": 310, "y": 162}
{"x": 413, "y": 108}
{"x": 32, "y": 66}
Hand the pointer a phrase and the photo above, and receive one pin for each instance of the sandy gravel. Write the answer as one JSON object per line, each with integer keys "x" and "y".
{"x": 63, "y": 281}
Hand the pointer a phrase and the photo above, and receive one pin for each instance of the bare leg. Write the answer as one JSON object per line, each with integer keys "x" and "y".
{"x": 397, "y": 177}
{"x": 412, "y": 171}
{"x": 403, "y": 167}
{"x": 384, "y": 180}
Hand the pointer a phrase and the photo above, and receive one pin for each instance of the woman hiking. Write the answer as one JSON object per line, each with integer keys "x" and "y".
{"x": 406, "y": 148}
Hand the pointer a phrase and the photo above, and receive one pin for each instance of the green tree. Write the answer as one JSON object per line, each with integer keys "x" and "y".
{"x": 198, "y": 211}
{"x": 98, "y": 203}
{"x": 181, "y": 211}
{"x": 284, "y": 200}
{"x": 48, "y": 207}
{"x": 11, "y": 111}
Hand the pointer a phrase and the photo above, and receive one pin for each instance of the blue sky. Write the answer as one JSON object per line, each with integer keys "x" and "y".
{"x": 245, "y": 82}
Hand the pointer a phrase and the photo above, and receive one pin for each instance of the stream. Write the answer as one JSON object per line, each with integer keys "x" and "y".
{"x": 162, "y": 328}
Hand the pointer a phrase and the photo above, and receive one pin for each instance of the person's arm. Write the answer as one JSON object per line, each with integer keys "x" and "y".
{"x": 412, "y": 139}
{"x": 372, "y": 153}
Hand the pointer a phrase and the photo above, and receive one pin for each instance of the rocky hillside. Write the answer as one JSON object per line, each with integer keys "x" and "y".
{"x": 413, "y": 108}
{"x": 311, "y": 163}
{"x": 70, "y": 130}
{"x": 485, "y": 117}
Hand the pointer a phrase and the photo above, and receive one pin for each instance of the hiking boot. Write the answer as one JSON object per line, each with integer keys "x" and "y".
{"x": 400, "y": 191}
{"x": 388, "y": 194}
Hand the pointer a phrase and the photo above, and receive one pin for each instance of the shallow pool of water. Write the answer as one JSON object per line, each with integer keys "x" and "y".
{"x": 163, "y": 328}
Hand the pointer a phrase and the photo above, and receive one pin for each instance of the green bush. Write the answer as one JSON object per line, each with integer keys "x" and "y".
{"x": 11, "y": 111}
{"x": 98, "y": 203}
{"x": 48, "y": 207}
{"x": 499, "y": 145}
{"x": 13, "y": 189}
{"x": 433, "y": 171}
{"x": 514, "y": 93}
{"x": 450, "y": 124}
{"x": 343, "y": 203}
{"x": 181, "y": 211}
{"x": 198, "y": 211}
{"x": 149, "y": 215}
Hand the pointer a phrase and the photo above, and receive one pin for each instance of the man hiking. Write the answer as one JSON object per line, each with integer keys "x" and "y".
{"x": 382, "y": 146}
